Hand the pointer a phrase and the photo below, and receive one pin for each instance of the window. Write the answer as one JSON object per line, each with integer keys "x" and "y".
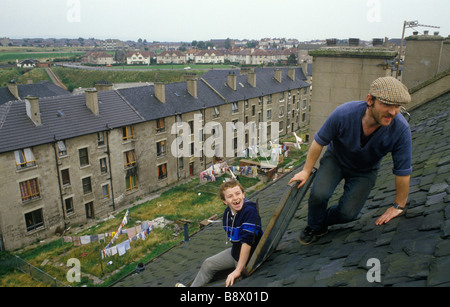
{"x": 180, "y": 163}
{"x": 191, "y": 126}
{"x": 65, "y": 177}
{"x": 34, "y": 220}
{"x": 105, "y": 191}
{"x": 160, "y": 127}
{"x": 269, "y": 114}
{"x": 234, "y": 107}
{"x": 162, "y": 171}
{"x": 83, "y": 154}
{"x": 62, "y": 150}
{"x": 131, "y": 182}
{"x": 215, "y": 112}
{"x": 127, "y": 133}
{"x": 89, "y": 207}
{"x": 101, "y": 138}
{"x": 87, "y": 187}
{"x": 253, "y": 110}
{"x": 29, "y": 190}
{"x": 24, "y": 158}
{"x": 161, "y": 148}
{"x": 129, "y": 159}
{"x": 68, "y": 203}
{"x": 103, "y": 166}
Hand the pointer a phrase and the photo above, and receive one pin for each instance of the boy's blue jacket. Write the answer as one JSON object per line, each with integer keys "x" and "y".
{"x": 243, "y": 227}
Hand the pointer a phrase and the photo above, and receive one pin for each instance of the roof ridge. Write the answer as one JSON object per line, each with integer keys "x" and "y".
{"x": 129, "y": 104}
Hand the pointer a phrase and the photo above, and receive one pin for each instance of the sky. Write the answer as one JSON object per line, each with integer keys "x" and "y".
{"x": 188, "y": 20}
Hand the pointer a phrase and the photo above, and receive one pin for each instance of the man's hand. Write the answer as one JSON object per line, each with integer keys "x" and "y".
{"x": 302, "y": 177}
{"x": 390, "y": 213}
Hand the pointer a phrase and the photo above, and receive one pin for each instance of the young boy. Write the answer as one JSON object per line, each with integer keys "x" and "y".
{"x": 242, "y": 225}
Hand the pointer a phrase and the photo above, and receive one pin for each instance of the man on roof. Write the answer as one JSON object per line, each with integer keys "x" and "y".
{"x": 358, "y": 134}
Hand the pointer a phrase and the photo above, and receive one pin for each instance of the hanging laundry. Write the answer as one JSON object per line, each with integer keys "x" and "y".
{"x": 85, "y": 239}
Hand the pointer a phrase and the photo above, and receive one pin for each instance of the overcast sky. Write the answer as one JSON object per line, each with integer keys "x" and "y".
{"x": 187, "y": 20}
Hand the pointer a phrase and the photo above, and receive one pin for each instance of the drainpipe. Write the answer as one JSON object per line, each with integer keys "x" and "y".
{"x": 109, "y": 165}
{"x": 59, "y": 182}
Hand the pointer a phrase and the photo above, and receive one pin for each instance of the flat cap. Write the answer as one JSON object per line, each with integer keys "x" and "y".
{"x": 390, "y": 91}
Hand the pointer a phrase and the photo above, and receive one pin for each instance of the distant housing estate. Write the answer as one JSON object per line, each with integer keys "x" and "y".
{"x": 68, "y": 159}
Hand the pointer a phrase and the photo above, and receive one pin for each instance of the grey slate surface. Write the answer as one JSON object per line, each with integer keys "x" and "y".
{"x": 413, "y": 249}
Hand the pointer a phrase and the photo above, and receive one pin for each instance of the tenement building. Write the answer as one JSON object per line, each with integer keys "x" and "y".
{"x": 68, "y": 159}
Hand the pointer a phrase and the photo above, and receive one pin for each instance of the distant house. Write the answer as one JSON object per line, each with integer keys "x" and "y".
{"x": 28, "y": 63}
{"x": 98, "y": 58}
{"x": 171, "y": 56}
{"x": 139, "y": 57}
{"x": 210, "y": 56}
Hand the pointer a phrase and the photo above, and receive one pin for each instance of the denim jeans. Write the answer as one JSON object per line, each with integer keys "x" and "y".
{"x": 356, "y": 190}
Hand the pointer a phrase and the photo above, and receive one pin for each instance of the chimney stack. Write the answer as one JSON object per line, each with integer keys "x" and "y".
{"x": 231, "y": 81}
{"x": 252, "y": 78}
{"x": 12, "y": 87}
{"x": 32, "y": 108}
{"x": 291, "y": 73}
{"x": 192, "y": 87}
{"x": 160, "y": 92}
{"x": 92, "y": 100}
{"x": 277, "y": 75}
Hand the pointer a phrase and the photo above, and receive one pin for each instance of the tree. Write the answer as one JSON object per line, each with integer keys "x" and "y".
{"x": 228, "y": 43}
{"x": 292, "y": 59}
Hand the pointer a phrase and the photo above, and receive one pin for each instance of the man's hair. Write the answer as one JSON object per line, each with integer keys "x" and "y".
{"x": 228, "y": 185}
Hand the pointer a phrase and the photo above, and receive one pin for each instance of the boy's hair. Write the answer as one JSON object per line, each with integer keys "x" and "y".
{"x": 227, "y": 185}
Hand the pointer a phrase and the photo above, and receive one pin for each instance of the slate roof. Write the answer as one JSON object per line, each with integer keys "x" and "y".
{"x": 413, "y": 249}
{"x": 62, "y": 117}
{"x": 178, "y": 100}
{"x": 265, "y": 83}
{"x": 40, "y": 89}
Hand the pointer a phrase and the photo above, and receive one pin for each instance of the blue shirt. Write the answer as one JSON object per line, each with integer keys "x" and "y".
{"x": 341, "y": 132}
{"x": 243, "y": 227}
